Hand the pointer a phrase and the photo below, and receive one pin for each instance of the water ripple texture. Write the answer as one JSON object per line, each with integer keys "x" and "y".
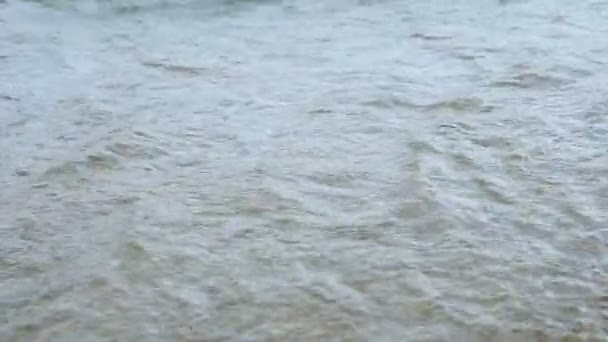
{"x": 378, "y": 170}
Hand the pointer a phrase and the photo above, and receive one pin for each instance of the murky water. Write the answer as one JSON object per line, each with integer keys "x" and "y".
{"x": 304, "y": 170}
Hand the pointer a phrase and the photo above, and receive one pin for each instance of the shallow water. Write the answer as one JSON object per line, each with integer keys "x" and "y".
{"x": 304, "y": 170}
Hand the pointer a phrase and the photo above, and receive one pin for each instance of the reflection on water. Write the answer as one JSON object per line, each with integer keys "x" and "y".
{"x": 267, "y": 170}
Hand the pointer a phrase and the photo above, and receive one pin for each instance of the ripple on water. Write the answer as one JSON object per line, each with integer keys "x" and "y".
{"x": 462, "y": 105}
{"x": 176, "y": 69}
{"x": 135, "y": 151}
{"x": 455, "y": 105}
{"x": 530, "y": 80}
{"x": 102, "y": 162}
{"x": 430, "y": 37}
{"x": 64, "y": 171}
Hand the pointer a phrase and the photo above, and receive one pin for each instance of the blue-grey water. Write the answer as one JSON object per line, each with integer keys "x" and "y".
{"x": 380, "y": 170}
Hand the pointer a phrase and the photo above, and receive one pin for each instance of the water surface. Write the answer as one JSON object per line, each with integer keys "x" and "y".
{"x": 304, "y": 170}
